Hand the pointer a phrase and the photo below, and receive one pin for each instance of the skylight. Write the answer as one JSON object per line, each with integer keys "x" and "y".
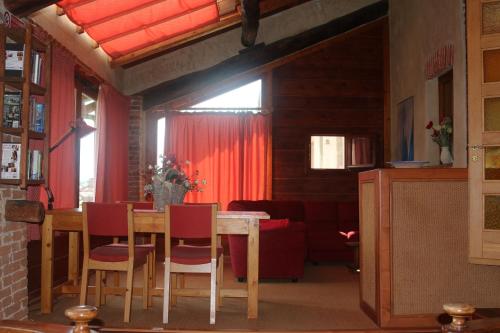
{"x": 246, "y": 98}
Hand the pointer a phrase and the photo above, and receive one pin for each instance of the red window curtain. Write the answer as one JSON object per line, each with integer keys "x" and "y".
{"x": 112, "y": 156}
{"x": 62, "y": 166}
{"x": 361, "y": 151}
{"x": 232, "y": 152}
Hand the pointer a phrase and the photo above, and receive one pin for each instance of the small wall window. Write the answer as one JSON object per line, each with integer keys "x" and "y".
{"x": 327, "y": 152}
{"x": 335, "y": 152}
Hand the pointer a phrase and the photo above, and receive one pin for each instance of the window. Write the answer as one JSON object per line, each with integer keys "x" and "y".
{"x": 336, "y": 152}
{"x": 327, "y": 152}
{"x": 247, "y": 98}
{"x": 86, "y": 108}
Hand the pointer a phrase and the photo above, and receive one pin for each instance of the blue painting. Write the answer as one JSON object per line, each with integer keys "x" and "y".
{"x": 405, "y": 130}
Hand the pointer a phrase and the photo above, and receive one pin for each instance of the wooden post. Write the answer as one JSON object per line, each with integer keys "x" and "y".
{"x": 47, "y": 264}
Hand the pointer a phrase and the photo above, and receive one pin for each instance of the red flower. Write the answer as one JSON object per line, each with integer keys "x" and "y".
{"x": 429, "y": 125}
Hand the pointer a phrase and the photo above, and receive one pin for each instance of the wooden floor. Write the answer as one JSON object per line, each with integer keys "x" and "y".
{"x": 327, "y": 298}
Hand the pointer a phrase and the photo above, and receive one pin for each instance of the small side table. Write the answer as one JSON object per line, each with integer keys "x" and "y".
{"x": 355, "y": 249}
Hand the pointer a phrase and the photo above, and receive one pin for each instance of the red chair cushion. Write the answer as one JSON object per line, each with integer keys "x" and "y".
{"x": 192, "y": 255}
{"x": 273, "y": 224}
{"x": 113, "y": 253}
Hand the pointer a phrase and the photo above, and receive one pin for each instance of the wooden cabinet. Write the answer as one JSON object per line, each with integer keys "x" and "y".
{"x": 413, "y": 247}
{"x": 25, "y": 68}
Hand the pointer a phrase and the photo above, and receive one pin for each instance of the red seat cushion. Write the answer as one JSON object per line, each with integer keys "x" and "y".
{"x": 192, "y": 255}
{"x": 113, "y": 253}
{"x": 273, "y": 224}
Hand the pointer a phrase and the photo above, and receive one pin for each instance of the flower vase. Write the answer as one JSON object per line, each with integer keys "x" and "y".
{"x": 446, "y": 157}
{"x": 167, "y": 193}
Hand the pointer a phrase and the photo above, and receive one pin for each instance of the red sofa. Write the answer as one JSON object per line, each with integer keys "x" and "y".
{"x": 282, "y": 241}
{"x": 313, "y": 232}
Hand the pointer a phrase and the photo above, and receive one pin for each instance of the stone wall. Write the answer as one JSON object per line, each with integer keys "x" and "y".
{"x": 13, "y": 260}
{"x": 135, "y": 133}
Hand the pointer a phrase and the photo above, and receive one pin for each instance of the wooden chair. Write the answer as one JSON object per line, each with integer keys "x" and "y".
{"x": 192, "y": 222}
{"x": 115, "y": 220}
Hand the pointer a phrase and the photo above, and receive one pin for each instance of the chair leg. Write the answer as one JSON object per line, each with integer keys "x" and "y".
{"x": 128, "y": 292}
{"x": 103, "y": 290}
{"x": 145, "y": 285}
{"x": 85, "y": 282}
{"x": 98, "y": 283}
{"x": 213, "y": 291}
{"x": 166, "y": 291}
{"x": 152, "y": 270}
{"x": 175, "y": 286}
{"x": 220, "y": 278}
{"x": 150, "y": 281}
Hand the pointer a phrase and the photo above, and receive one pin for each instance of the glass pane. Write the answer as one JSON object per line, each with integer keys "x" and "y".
{"x": 327, "y": 152}
{"x": 491, "y": 63}
{"x": 361, "y": 152}
{"x": 89, "y": 106}
{"x": 492, "y": 114}
{"x": 491, "y": 17}
{"x": 88, "y": 152}
{"x": 492, "y": 212}
{"x": 492, "y": 163}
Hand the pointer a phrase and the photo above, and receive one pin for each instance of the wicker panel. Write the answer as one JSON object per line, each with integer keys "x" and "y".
{"x": 430, "y": 250}
{"x": 491, "y": 17}
{"x": 492, "y": 114}
{"x": 492, "y": 212}
{"x": 368, "y": 245}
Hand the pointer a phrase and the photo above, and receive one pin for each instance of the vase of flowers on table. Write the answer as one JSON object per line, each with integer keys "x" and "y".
{"x": 441, "y": 134}
{"x": 169, "y": 183}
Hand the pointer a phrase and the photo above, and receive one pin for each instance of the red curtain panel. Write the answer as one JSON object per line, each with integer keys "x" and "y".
{"x": 230, "y": 151}
{"x": 62, "y": 168}
{"x": 112, "y": 156}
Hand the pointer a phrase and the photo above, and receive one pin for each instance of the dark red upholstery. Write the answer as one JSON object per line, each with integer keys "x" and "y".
{"x": 323, "y": 222}
{"x": 192, "y": 255}
{"x": 107, "y": 219}
{"x": 282, "y": 242}
{"x": 113, "y": 253}
{"x": 191, "y": 221}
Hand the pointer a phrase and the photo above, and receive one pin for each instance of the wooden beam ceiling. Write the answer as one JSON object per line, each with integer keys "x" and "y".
{"x": 267, "y": 7}
{"x": 250, "y": 13}
{"x": 22, "y": 8}
{"x": 257, "y": 57}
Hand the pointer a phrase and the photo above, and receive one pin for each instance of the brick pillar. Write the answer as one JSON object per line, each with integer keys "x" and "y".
{"x": 13, "y": 260}
{"x": 135, "y": 134}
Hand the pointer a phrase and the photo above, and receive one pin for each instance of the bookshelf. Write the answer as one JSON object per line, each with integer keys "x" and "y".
{"x": 25, "y": 69}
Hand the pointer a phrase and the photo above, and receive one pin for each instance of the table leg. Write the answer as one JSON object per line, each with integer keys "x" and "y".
{"x": 73, "y": 258}
{"x": 253, "y": 268}
{"x": 47, "y": 265}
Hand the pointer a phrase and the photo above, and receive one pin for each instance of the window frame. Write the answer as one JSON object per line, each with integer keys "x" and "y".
{"x": 348, "y": 167}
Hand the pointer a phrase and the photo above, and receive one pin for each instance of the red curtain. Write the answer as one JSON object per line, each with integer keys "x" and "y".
{"x": 112, "y": 157}
{"x": 232, "y": 152}
{"x": 62, "y": 164}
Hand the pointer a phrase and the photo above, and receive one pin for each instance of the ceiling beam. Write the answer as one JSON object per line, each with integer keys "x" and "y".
{"x": 250, "y": 14}
{"x": 275, "y": 54}
{"x": 267, "y": 7}
{"x": 22, "y": 8}
{"x": 78, "y": 4}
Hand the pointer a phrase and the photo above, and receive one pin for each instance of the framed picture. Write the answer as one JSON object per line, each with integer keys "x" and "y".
{"x": 405, "y": 130}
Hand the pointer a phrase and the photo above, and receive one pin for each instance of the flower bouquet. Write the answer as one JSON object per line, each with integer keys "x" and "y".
{"x": 441, "y": 134}
{"x": 169, "y": 183}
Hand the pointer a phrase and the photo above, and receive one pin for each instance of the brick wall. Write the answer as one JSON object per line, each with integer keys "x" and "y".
{"x": 13, "y": 260}
{"x": 135, "y": 133}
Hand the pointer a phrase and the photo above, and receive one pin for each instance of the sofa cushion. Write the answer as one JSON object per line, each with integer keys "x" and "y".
{"x": 266, "y": 225}
{"x": 320, "y": 212}
{"x": 292, "y": 210}
{"x": 250, "y": 205}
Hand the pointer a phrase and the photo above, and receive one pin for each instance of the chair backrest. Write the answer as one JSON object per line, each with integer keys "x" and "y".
{"x": 191, "y": 221}
{"x": 107, "y": 219}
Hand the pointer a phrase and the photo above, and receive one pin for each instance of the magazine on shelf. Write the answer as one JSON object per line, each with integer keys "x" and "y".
{"x": 12, "y": 109}
{"x": 35, "y": 164}
{"x": 37, "y": 116}
{"x": 11, "y": 157}
{"x": 14, "y": 59}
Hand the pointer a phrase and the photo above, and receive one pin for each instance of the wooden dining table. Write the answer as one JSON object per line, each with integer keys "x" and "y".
{"x": 151, "y": 222}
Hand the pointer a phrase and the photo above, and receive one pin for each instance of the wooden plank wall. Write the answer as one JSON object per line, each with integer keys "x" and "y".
{"x": 339, "y": 89}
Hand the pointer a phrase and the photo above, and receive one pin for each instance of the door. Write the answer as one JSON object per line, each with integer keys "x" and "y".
{"x": 483, "y": 57}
